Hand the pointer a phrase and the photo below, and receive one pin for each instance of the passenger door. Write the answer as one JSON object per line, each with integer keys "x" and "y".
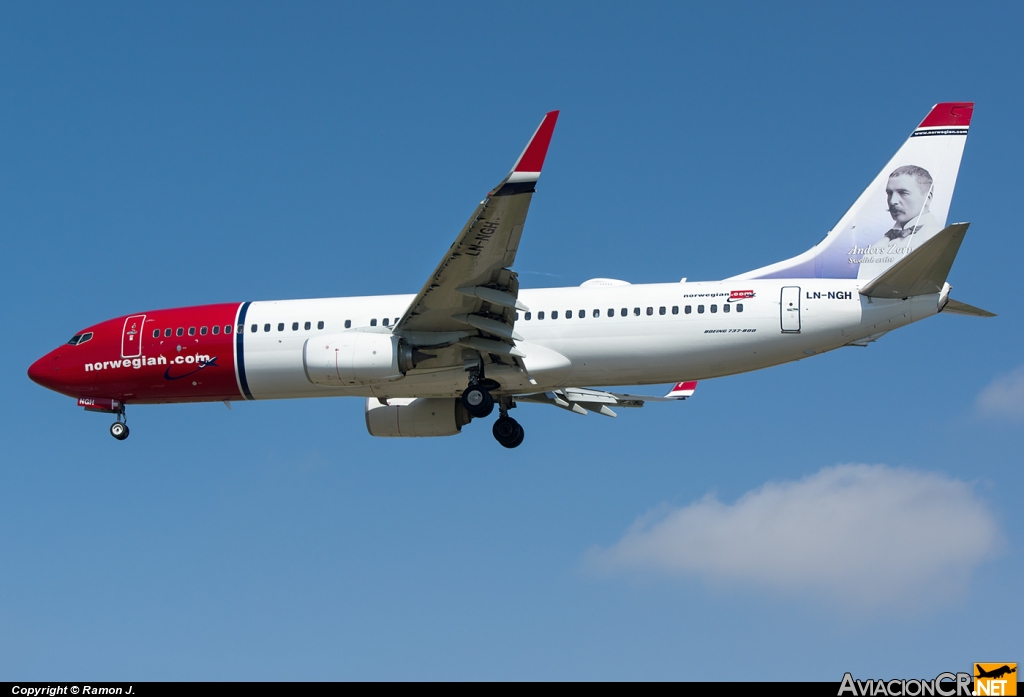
{"x": 131, "y": 336}
{"x": 790, "y": 309}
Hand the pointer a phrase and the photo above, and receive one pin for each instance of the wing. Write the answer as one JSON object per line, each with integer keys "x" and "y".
{"x": 472, "y": 296}
{"x": 580, "y": 400}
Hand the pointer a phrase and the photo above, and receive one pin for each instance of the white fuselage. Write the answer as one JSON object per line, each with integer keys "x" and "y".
{"x": 656, "y": 341}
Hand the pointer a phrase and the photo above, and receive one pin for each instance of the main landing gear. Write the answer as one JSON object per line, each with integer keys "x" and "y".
{"x": 119, "y": 429}
{"x": 508, "y": 432}
{"x": 479, "y": 403}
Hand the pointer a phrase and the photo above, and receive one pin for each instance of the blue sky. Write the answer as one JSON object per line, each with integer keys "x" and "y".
{"x": 165, "y": 156}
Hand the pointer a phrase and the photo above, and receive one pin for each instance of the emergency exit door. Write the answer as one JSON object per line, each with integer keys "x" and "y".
{"x": 790, "y": 309}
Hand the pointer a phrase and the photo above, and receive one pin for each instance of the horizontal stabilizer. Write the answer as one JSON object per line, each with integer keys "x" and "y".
{"x": 923, "y": 271}
{"x": 956, "y": 307}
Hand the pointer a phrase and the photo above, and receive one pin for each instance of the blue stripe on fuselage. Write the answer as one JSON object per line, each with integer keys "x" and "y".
{"x": 239, "y": 350}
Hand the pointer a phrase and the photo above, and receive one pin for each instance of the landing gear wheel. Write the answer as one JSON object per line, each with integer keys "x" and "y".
{"x": 119, "y": 430}
{"x": 508, "y": 432}
{"x": 478, "y": 401}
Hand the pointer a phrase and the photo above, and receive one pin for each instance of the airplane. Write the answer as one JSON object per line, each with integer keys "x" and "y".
{"x": 471, "y": 339}
{"x": 995, "y": 673}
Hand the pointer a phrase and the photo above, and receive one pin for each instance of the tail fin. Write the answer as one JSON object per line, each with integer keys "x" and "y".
{"x": 905, "y": 206}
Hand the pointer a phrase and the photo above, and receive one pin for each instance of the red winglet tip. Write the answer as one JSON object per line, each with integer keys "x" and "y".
{"x": 949, "y": 114}
{"x": 533, "y": 157}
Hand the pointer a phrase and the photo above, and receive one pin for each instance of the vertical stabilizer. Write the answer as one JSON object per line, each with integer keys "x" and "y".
{"x": 903, "y": 207}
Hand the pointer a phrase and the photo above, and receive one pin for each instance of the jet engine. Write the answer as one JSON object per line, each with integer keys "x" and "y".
{"x": 415, "y": 418}
{"x": 356, "y": 358}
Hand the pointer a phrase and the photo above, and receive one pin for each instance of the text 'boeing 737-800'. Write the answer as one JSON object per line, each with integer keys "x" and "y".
{"x": 472, "y": 339}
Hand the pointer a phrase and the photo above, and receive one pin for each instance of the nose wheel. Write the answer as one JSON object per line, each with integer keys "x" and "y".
{"x": 119, "y": 429}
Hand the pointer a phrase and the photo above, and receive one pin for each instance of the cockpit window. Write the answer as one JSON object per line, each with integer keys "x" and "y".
{"x": 80, "y": 338}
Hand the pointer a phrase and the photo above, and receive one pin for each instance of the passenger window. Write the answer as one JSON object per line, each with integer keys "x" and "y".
{"x": 568, "y": 314}
{"x": 216, "y": 329}
{"x": 700, "y": 309}
{"x": 280, "y": 326}
{"x": 554, "y": 314}
{"x": 373, "y": 322}
{"x": 636, "y": 311}
{"x": 689, "y": 309}
{"x": 156, "y": 333}
{"x": 180, "y": 331}
{"x": 540, "y": 315}
{"x": 675, "y": 310}
{"x": 266, "y": 327}
{"x": 167, "y": 332}
{"x": 661, "y": 310}
{"x": 726, "y": 308}
{"x": 191, "y": 331}
{"x": 385, "y": 321}
{"x": 227, "y": 328}
{"x": 529, "y": 316}
{"x": 624, "y": 312}
{"x": 307, "y": 326}
{"x": 202, "y": 331}
{"x": 714, "y": 309}
{"x": 241, "y": 328}
{"x": 650, "y": 311}
{"x": 582, "y": 314}
{"x": 517, "y": 317}
{"x": 320, "y": 324}
{"x": 348, "y": 324}
{"x": 611, "y": 312}
{"x": 597, "y": 313}
{"x": 739, "y": 307}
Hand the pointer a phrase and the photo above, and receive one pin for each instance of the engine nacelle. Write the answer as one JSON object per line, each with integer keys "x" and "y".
{"x": 415, "y": 418}
{"x": 355, "y": 358}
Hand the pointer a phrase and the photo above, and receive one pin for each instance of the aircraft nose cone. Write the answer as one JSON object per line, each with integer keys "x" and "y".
{"x": 45, "y": 372}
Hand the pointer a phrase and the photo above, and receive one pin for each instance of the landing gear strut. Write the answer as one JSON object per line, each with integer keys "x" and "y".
{"x": 119, "y": 429}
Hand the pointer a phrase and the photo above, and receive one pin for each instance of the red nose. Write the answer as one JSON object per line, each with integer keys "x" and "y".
{"x": 46, "y": 372}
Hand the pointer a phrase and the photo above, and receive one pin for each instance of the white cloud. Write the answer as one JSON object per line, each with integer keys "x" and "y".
{"x": 865, "y": 534}
{"x": 1004, "y": 396}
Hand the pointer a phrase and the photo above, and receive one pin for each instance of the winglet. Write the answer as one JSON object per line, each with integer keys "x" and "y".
{"x": 682, "y": 390}
{"x": 526, "y": 171}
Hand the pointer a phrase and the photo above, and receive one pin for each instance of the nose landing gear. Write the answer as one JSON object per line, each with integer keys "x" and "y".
{"x": 119, "y": 429}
